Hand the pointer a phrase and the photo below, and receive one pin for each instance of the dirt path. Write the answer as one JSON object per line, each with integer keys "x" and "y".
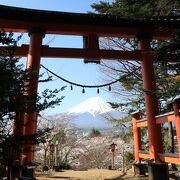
{"x": 93, "y": 174}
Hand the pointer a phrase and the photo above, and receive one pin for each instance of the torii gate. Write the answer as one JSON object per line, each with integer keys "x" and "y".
{"x": 38, "y": 23}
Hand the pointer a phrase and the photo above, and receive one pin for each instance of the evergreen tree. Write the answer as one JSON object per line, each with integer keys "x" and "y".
{"x": 94, "y": 132}
{"x": 12, "y": 98}
{"x": 130, "y": 87}
{"x": 137, "y": 9}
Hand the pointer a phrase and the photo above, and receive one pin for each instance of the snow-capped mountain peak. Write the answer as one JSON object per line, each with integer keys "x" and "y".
{"x": 94, "y": 105}
{"x": 93, "y": 113}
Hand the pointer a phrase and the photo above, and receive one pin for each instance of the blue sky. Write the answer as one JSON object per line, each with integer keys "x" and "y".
{"x": 55, "y": 5}
{"x": 72, "y": 69}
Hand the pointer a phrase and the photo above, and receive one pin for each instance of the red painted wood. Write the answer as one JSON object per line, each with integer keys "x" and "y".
{"x": 154, "y": 130}
{"x": 176, "y": 106}
{"x": 31, "y": 87}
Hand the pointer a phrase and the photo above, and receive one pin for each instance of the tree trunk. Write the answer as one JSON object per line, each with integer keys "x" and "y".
{"x": 45, "y": 156}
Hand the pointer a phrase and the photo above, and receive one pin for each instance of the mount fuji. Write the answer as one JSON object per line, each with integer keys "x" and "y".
{"x": 93, "y": 113}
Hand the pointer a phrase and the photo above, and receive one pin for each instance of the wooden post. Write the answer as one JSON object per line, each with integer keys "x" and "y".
{"x": 113, "y": 148}
{"x": 154, "y": 130}
{"x": 113, "y": 159}
{"x": 136, "y": 133}
{"x": 176, "y": 107}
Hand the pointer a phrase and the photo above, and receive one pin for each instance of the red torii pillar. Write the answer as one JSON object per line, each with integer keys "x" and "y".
{"x": 31, "y": 88}
{"x": 154, "y": 130}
